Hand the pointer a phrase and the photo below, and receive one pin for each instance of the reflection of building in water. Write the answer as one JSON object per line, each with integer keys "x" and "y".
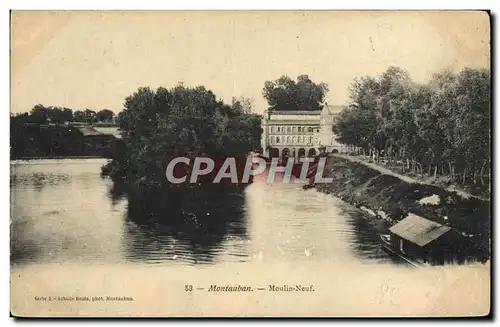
{"x": 299, "y": 133}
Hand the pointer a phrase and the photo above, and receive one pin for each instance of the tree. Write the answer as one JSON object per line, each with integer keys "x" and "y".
{"x": 85, "y": 116}
{"x": 90, "y": 116}
{"x": 79, "y": 116}
{"x": 39, "y": 114}
{"x": 286, "y": 94}
{"x": 243, "y": 105}
{"x": 59, "y": 115}
{"x": 472, "y": 120}
{"x": 309, "y": 95}
{"x": 346, "y": 127}
{"x": 105, "y": 115}
{"x": 365, "y": 121}
{"x": 443, "y": 125}
{"x": 158, "y": 125}
{"x": 394, "y": 88}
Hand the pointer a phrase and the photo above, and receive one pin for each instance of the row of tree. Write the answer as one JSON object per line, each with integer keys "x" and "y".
{"x": 59, "y": 115}
{"x": 34, "y": 141}
{"x": 157, "y": 125}
{"x": 438, "y": 128}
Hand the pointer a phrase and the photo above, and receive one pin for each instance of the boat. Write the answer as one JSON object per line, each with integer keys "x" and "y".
{"x": 385, "y": 240}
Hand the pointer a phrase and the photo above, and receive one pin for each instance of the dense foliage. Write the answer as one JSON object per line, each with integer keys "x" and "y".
{"x": 442, "y": 127}
{"x": 44, "y": 132}
{"x": 286, "y": 94}
{"x": 40, "y": 114}
{"x": 158, "y": 125}
{"x": 43, "y": 141}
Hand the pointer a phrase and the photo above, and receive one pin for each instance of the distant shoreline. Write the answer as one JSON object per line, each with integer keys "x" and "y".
{"x": 58, "y": 157}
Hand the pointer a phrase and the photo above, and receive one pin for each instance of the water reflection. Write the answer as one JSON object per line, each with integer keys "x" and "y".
{"x": 40, "y": 180}
{"x": 290, "y": 224}
{"x": 63, "y": 211}
{"x": 60, "y": 213}
{"x": 156, "y": 229}
{"x": 366, "y": 243}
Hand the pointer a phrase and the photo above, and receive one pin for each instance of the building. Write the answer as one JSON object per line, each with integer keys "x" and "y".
{"x": 98, "y": 141}
{"x": 424, "y": 239}
{"x": 299, "y": 133}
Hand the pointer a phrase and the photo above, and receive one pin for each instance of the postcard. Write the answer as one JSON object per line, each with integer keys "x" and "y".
{"x": 250, "y": 164}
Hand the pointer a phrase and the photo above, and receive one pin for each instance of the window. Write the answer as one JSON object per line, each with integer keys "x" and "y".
{"x": 310, "y": 129}
{"x": 277, "y": 139}
{"x": 279, "y": 129}
{"x": 271, "y": 140}
{"x": 272, "y": 129}
{"x": 294, "y": 140}
{"x": 288, "y": 129}
{"x": 294, "y": 129}
{"x": 288, "y": 139}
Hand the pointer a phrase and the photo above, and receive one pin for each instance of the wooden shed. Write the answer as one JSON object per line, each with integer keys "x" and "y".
{"x": 98, "y": 141}
{"x": 423, "y": 239}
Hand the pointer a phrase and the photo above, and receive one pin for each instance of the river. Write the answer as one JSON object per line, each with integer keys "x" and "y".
{"x": 64, "y": 214}
{"x": 63, "y": 211}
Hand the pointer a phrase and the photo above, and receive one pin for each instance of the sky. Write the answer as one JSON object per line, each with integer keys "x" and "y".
{"x": 93, "y": 59}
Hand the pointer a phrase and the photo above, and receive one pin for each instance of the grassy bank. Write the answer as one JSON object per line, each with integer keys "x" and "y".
{"x": 389, "y": 196}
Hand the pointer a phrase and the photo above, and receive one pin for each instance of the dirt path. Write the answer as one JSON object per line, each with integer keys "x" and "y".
{"x": 407, "y": 179}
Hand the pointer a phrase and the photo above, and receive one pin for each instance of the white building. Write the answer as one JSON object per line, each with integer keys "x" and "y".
{"x": 299, "y": 133}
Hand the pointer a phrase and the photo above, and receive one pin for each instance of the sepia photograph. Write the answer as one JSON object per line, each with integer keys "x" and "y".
{"x": 197, "y": 164}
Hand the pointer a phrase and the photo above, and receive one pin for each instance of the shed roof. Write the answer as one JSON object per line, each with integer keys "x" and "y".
{"x": 109, "y": 131}
{"x": 93, "y": 131}
{"x": 88, "y": 131}
{"x": 419, "y": 230}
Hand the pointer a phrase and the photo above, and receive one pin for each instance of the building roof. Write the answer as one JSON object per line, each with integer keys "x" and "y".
{"x": 419, "y": 230}
{"x": 327, "y": 109}
{"x": 294, "y": 122}
{"x": 109, "y": 131}
{"x": 295, "y": 112}
{"x": 88, "y": 131}
{"x": 95, "y": 131}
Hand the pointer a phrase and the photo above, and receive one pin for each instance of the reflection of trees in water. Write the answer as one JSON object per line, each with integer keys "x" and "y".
{"x": 116, "y": 192}
{"x": 22, "y": 247}
{"x": 40, "y": 180}
{"x": 182, "y": 224}
{"x": 366, "y": 233}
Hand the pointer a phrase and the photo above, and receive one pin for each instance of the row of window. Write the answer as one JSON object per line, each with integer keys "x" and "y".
{"x": 291, "y": 140}
{"x": 306, "y": 140}
{"x": 293, "y": 129}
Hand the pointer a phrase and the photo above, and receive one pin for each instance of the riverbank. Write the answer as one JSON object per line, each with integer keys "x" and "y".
{"x": 388, "y": 197}
{"x": 397, "y": 170}
{"x": 48, "y": 141}
{"x": 57, "y": 158}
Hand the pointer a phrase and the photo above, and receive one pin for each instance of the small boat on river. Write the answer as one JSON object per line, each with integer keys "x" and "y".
{"x": 422, "y": 242}
{"x": 385, "y": 240}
